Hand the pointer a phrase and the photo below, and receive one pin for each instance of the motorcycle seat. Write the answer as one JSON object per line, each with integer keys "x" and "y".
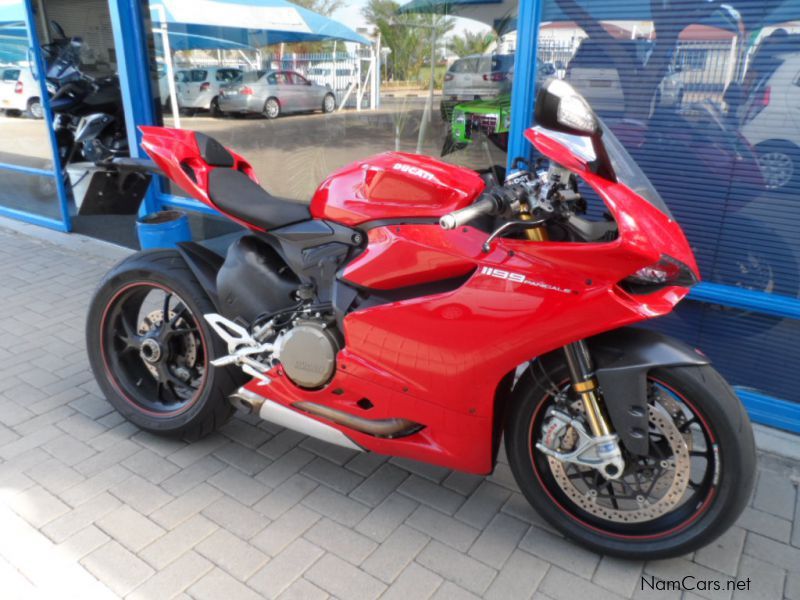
{"x": 236, "y": 194}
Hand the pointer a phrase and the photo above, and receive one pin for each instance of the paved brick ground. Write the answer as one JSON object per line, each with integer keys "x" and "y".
{"x": 92, "y": 507}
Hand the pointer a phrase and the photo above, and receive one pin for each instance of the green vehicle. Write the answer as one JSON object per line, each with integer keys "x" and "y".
{"x": 490, "y": 117}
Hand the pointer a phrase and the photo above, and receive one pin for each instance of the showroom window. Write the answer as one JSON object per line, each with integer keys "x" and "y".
{"x": 337, "y": 82}
{"x": 704, "y": 100}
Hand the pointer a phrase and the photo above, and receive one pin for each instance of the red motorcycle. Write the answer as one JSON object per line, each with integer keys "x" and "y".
{"x": 415, "y": 310}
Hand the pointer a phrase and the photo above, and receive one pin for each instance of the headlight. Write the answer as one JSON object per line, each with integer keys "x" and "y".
{"x": 667, "y": 271}
{"x": 460, "y": 118}
{"x": 506, "y": 121}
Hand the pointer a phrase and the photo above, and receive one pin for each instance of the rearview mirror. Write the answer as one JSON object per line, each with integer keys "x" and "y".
{"x": 560, "y": 108}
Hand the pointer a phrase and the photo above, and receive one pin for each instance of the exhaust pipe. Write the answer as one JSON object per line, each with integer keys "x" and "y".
{"x": 382, "y": 428}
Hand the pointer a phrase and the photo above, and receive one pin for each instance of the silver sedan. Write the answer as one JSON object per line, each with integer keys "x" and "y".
{"x": 273, "y": 93}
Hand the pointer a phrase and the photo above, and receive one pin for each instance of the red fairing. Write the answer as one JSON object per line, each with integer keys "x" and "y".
{"x": 177, "y": 153}
{"x": 395, "y": 185}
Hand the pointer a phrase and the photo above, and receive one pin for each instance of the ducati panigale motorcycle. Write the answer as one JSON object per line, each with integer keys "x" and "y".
{"x": 416, "y": 311}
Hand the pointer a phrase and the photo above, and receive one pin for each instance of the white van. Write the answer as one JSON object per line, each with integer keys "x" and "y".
{"x": 19, "y": 92}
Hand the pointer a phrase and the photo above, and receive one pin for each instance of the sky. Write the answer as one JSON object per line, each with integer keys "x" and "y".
{"x": 350, "y": 15}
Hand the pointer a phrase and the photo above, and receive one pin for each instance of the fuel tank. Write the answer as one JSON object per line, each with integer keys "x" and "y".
{"x": 395, "y": 185}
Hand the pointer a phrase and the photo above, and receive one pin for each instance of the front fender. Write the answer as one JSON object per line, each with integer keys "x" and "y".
{"x": 622, "y": 360}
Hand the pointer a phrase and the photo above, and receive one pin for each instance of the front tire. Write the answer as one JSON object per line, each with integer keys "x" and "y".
{"x": 35, "y": 109}
{"x": 272, "y": 108}
{"x": 151, "y": 349}
{"x": 329, "y": 103}
{"x": 721, "y": 453}
{"x": 779, "y": 164}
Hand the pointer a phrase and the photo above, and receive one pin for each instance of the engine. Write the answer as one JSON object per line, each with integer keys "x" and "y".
{"x": 307, "y": 351}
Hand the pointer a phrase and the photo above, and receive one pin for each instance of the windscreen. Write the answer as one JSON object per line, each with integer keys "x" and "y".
{"x": 628, "y": 172}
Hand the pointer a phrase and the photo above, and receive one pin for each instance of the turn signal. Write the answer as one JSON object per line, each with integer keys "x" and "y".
{"x": 666, "y": 272}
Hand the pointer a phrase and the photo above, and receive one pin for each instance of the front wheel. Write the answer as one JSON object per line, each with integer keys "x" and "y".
{"x": 329, "y": 103}
{"x": 691, "y": 486}
{"x": 151, "y": 349}
{"x": 272, "y": 108}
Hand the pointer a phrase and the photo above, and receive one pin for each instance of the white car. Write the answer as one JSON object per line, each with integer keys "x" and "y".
{"x": 770, "y": 120}
{"x": 476, "y": 77}
{"x": 19, "y": 92}
{"x": 337, "y": 76}
{"x": 198, "y": 87}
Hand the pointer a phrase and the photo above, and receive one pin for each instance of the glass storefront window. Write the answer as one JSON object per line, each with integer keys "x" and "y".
{"x": 24, "y": 139}
{"x": 362, "y": 78}
{"x": 705, "y": 98}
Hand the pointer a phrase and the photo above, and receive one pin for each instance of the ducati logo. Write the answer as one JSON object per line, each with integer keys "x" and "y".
{"x": 520, "y": 278}
{"x": 415, "y": 171}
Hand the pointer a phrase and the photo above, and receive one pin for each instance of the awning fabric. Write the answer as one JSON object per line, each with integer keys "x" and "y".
{"x": 248, "y": 22}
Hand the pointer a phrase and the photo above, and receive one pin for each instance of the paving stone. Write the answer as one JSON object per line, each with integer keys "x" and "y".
{"x": 115, "y": 435}
{"x": 373, "y": 490}
{"x": 303, "y": 590}
{"x": 284, "y": 467}
{"x": 394, "y": 555}
{"x": 332, "y": 475}
{"x": 175, "y": 543}
{"x": 69, "y": 450}
{"x": 285, "y": 569}
{"x": 332, "y": 452}
{"x": 463, "y": 483}
{"x": 284, "y": 530}
{"x": 766, "y": 580}
{"x": 187, "y": 478}
{"x": 118, "y": 568}
{"x": 432, "y": 494}
{"x": 775, "y": 494}
{"x": 233, "y": 554}
{"x": 173, "y": 579}
{"x": 450, "y": 591}
{"x": 95, "y": 485}
{"x": 796, "y": 528}
{"x": 792, "y": 589}
{"x": 79, "y": 518}
{"x": 343, "y": 580}
{"x": 617, "y": 575}
{"x": 459, "y": 568}
{"x": 186, "y": 506}
{"x": 286, "y": 495}
{"x": 431, "y": 472}
{"x": 503, "y": 476}
{"x": 482, "y": 505}
{"x": 765, "y": 524}
{"x": 150, "y": 465}
{"x": 42, "y": 423}
{"x": 141, "y": 495}
{"x": 218, "y": 584}
{"x": 239, "y": 485}
{"x": 332, "y": 504}
{"x": 161, "y": 445}
{"x": 130, "y": 528}
{"x": 193, "y": 452}
{"x": 54, "y": 475}
{"x": 38, "y": 506}
{"x": 242, "y": 458}
{"x": 781, "y": 555}
{"x": 443, "y": 528}
{"x": 91, "y": 406}
{"x": 563, "y": 585}
{"x": 723, "y": 553}
{"x": 29, "y": 441}
{"x": 242, "y": 432}
{"x": 282, "y": 443}
{"x": 385, "y": 518}
{"x": 340, "y": 540}
{"x": 83, "y": 542}
{"x": 415, "y": 582}
{"x": 519, "y": 508}
{"x": 561, "y": 552}
{"x": 81, "y": 427}
{"x": 366, "y": 463}
{"x": 498, "y": 540}
{"x": 519, "y": 578}
{"x": 109, "y": 457}
{"x": 234, "y": 516}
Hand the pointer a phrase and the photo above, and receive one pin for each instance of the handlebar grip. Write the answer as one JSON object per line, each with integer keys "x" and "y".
{"x": 461, "y": 217}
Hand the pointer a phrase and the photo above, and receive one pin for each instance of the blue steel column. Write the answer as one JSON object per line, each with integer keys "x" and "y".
{"x": 130, "y": 41}
{"x": 523, "y": 94}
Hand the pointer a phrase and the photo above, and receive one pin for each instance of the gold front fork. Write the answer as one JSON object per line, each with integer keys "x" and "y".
{"x": 585, "y": 385}
{"x": 534, "y": 234}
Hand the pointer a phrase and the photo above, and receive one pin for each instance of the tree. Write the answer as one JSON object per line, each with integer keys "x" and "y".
{"x": 408, "y": 35}
{"x": 322, "y": 7}
{"x": 471, "y": 43}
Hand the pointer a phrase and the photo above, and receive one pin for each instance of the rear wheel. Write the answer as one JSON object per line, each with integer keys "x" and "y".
{"x": 214, "y": 108}
{"x": 272, "y": 108}
{"x": 35, "y": 109}
{"x": 778, "y": 162}
{"x": 150, "y": 348}
{"x": 691, "y": 486}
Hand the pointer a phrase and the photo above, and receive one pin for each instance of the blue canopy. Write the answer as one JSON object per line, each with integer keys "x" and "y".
{"x": 12, "y": 11}
{"x": 248, "y": 22}
{"x": 13, "y": 43}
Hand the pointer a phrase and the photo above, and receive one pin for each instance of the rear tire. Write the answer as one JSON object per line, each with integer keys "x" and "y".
{"x": 214, "y": 108}
{"x": 272, "y": 108}
{"x": 35, "y": 109}
{"x": 686, "y": 527}
{"x": 121, "y": 370}
{"x": 329, "y": 103}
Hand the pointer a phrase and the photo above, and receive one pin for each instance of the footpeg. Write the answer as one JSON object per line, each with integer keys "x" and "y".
{"x": 601, "y": 453}
{"x": 241, "y": 346}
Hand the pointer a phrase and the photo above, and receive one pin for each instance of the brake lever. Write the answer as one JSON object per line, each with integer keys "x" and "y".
{"x": 487, "y": 245}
